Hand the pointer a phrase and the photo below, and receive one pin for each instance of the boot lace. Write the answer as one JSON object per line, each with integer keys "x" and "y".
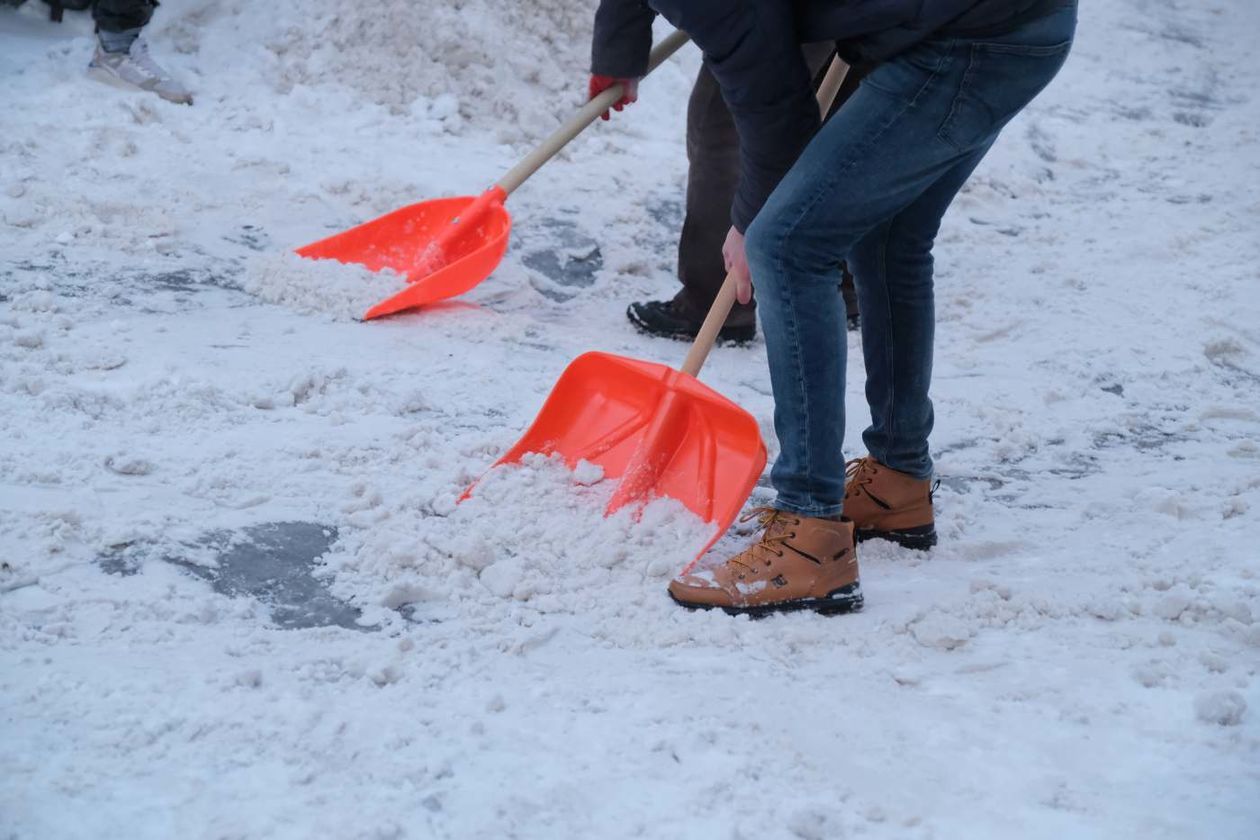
{"x": 857, "y": 474}
{"x": 766, "y": 517}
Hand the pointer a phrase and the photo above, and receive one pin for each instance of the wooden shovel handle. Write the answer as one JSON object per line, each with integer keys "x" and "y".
{"x": 830, "y": 85}
{"x": 586, "y": 115}
{"x": 721, "y": 308}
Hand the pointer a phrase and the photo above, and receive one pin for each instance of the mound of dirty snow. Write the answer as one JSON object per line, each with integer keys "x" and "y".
{"x": 505, "y": 67}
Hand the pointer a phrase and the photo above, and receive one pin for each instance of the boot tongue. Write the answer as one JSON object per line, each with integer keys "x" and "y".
{"x": 778, "y": 526}
{"x": 775, "y": 524}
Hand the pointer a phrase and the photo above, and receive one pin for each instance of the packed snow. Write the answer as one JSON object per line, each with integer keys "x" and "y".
{"x": 238, "y": 597}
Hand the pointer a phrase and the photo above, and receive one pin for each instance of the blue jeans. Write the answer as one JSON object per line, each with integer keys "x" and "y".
{"x": 872, "y": 186}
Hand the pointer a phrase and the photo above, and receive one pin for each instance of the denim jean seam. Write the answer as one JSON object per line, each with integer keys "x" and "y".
{"x": 793, "y": 329}
{"x": 947, "y": 56}
{"x": 786, "y": 299}
{"x": 942, "y": 133}
{"x": 890, "y": 345}
{"x": 975, "y": 50}
{"x": 1029, "y": 50}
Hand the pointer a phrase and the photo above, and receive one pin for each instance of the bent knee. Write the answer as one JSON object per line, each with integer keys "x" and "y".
{"x": 798, "y": 249}
{"x": 758, "y": 245}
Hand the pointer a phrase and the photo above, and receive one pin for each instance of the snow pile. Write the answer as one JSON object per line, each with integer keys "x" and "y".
{"x": 533, "y": 532}
{"x": 509, "y": 68}
{"x": 342, "y": 291}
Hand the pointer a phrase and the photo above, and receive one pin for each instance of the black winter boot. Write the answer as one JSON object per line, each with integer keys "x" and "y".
{"x": 672, "y": 319}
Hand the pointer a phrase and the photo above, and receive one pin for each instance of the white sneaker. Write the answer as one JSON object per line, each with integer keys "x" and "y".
{"x": 137, "y": 69}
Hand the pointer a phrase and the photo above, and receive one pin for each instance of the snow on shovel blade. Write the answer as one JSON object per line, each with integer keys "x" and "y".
{"x": 661, "y": 431}
{"x": 443, "y": 247}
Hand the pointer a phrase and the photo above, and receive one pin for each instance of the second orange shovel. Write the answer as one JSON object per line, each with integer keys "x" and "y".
{"x": 447, "y": 246}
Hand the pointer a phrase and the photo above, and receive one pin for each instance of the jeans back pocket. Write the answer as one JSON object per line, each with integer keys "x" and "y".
{"x": 999, "y": 81}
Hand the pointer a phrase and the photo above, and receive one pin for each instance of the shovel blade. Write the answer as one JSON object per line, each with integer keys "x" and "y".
{"x": 661, "y": 432}
{"x": 443, "y": 247}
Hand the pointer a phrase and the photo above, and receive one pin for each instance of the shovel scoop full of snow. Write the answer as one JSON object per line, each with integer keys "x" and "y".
{"x": 443, "y": 247}
{"x": 660, "y": 431}
{"x": 446, "y": 247}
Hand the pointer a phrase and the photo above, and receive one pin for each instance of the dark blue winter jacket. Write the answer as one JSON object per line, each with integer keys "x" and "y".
{"x": 753, "y": 49}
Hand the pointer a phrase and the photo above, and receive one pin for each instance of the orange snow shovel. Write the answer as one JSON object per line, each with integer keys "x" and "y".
{"x": 447, "y": 246}
{"x": 660, "y": 430}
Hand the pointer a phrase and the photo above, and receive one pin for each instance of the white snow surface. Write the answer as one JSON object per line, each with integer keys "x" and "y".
{"x": 1077, "y": 658}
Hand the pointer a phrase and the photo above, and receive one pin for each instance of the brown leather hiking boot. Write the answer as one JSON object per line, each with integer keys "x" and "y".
{"x": 799, "y": 563}
{"x": 888, "y": 504}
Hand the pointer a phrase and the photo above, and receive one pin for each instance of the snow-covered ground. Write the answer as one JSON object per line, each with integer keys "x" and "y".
{"x": 237, "y": 598}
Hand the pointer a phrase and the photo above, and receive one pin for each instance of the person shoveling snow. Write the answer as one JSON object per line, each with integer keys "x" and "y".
{"x": 872, "y": 186}
{"x": 122, "y": 57}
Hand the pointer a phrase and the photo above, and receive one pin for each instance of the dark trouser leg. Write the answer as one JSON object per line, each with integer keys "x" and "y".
{"x": 848, "y": 290}
{"x": 122, "y": 15}
{"x": 118, "y": 22}
{"x": 713, "y": 172}
{"x": 712, "y": 175}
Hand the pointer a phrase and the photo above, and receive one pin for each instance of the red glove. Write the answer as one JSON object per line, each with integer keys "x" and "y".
{"x": 599, "y": 84}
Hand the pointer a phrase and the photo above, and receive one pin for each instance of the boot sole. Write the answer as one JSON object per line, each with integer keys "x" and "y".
{"x": 726, "y": 335}
{"x": 100, "y": 74}
{"x": 920, "y": 538}
{"x": 846, "y": 599}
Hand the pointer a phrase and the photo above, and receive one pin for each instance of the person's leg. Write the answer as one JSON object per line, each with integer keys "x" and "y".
{"x": 848, "y": 291}
{"x": 893, "y": 267}
{"x": 794, "y": 248}
{"x": 712, "y": 175}
{"x": 888, "y": 493}
{"x": 122, "y": 56}
{"x": 118, "y": 22}
{"x": 893, "y": 262}
{"x": 917, "y": 119}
